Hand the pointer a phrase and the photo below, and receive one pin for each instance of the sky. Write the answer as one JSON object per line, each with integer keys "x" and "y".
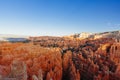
{"x": 58, "y": 17}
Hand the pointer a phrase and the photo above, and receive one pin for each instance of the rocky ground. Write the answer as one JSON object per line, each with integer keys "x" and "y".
{"x": 49, "y": 58}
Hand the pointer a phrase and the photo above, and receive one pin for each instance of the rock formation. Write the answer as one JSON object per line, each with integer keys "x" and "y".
{"x": 61, "y": 59}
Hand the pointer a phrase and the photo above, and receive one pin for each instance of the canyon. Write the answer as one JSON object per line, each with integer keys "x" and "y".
{"x": 62, "y": 58}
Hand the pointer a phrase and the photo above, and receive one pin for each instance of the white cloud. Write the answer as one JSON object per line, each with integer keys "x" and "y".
{"x": 112, "y": 25}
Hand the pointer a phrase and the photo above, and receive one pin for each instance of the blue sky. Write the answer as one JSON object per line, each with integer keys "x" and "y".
{"x": 58, "y": 17}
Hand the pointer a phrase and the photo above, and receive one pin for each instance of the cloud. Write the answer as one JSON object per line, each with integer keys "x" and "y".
{"x": 112, "y": 25}
{"x": 117, "y": 25}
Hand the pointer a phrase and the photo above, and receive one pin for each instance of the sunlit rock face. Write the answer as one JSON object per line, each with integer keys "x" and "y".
{"x": 80, "y": 36}
{"x": 111, "y": 34}
{"x": 61, "y": 59}
{"x": 84, "y": 35}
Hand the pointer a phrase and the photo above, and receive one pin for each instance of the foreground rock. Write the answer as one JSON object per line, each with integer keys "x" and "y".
{"x": 61, "y": 59}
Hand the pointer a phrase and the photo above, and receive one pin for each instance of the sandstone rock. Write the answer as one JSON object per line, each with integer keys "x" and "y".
{"x": 18, "y": 70}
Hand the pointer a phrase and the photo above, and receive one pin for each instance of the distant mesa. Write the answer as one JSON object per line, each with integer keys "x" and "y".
{"x": 111, "y": 34}
{"x": 80, "y": 36}
{"x": 13, "y": 38}
{"x": 16, "y": 39}
{"x": 84, "y": 35}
